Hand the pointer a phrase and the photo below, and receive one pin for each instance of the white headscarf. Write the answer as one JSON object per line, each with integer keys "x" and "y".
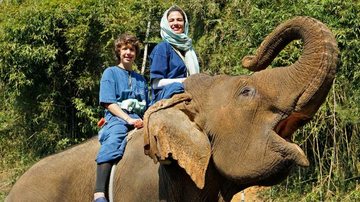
{"x": 180, "y": 41}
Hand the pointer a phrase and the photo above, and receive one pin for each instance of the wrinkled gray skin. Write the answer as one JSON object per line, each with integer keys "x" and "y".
{"x": 248, "y": 121}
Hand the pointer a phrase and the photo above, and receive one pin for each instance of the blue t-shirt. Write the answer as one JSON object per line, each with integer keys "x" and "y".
{"x": 118, "y": 84}
{"x": 165, "y": 63}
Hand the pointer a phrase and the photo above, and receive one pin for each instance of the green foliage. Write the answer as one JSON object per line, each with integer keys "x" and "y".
{"x": 53, "y": 53}
{"x": 52, "y": 58}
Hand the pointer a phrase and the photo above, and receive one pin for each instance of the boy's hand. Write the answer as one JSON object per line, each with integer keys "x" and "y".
{"x": 138, "y": 123}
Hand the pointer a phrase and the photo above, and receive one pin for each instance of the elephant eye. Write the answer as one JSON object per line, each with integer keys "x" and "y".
{"x": 247, "y": 91}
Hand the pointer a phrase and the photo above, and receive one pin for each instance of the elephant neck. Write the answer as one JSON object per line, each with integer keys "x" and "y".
{"x": 229, "y": 188}
{"x": 217, "y": 183}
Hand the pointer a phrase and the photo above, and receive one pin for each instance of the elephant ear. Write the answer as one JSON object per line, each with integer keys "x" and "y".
{"x": 170, "y": 132}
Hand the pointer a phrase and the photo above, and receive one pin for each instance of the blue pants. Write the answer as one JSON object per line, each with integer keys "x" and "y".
{"x": 168, "y": 91}
{"x": 112, "y": 138}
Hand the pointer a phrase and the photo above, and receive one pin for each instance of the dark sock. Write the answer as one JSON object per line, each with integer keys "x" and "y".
{"x": 102, "y": 177}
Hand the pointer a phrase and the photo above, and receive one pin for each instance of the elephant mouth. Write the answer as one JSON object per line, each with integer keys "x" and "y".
{"x": 289, "y": 124}
{"x": 285, "y": 129}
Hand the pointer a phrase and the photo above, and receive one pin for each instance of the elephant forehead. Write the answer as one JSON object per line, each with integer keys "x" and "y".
{"x": 225, "y": 90}
{"x": 200, "y": 84}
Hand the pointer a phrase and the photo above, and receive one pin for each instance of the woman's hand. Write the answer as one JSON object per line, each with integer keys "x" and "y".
{"x": 138, "y": 123}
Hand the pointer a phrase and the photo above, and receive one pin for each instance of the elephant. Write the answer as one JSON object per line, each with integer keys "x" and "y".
{"x": 223, "y": 134}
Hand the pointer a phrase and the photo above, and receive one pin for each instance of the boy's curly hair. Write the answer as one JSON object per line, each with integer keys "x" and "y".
{"x": 126, "y": 39}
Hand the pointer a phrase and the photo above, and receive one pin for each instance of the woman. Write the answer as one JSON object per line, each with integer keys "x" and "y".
{"x": 123, "y": 94}
{"x": 172, "y": 60}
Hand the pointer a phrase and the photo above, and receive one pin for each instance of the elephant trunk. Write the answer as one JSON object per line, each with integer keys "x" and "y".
{"x": 308, "y": 80}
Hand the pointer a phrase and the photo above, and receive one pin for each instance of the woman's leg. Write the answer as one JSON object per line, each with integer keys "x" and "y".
{"x": 168, "y": 91}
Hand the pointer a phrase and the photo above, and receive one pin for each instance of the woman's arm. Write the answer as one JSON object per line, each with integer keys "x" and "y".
{"x": 160, "y": 83}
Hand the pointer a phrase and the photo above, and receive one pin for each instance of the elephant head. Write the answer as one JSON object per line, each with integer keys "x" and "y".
{"x": 244, "y": 124}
